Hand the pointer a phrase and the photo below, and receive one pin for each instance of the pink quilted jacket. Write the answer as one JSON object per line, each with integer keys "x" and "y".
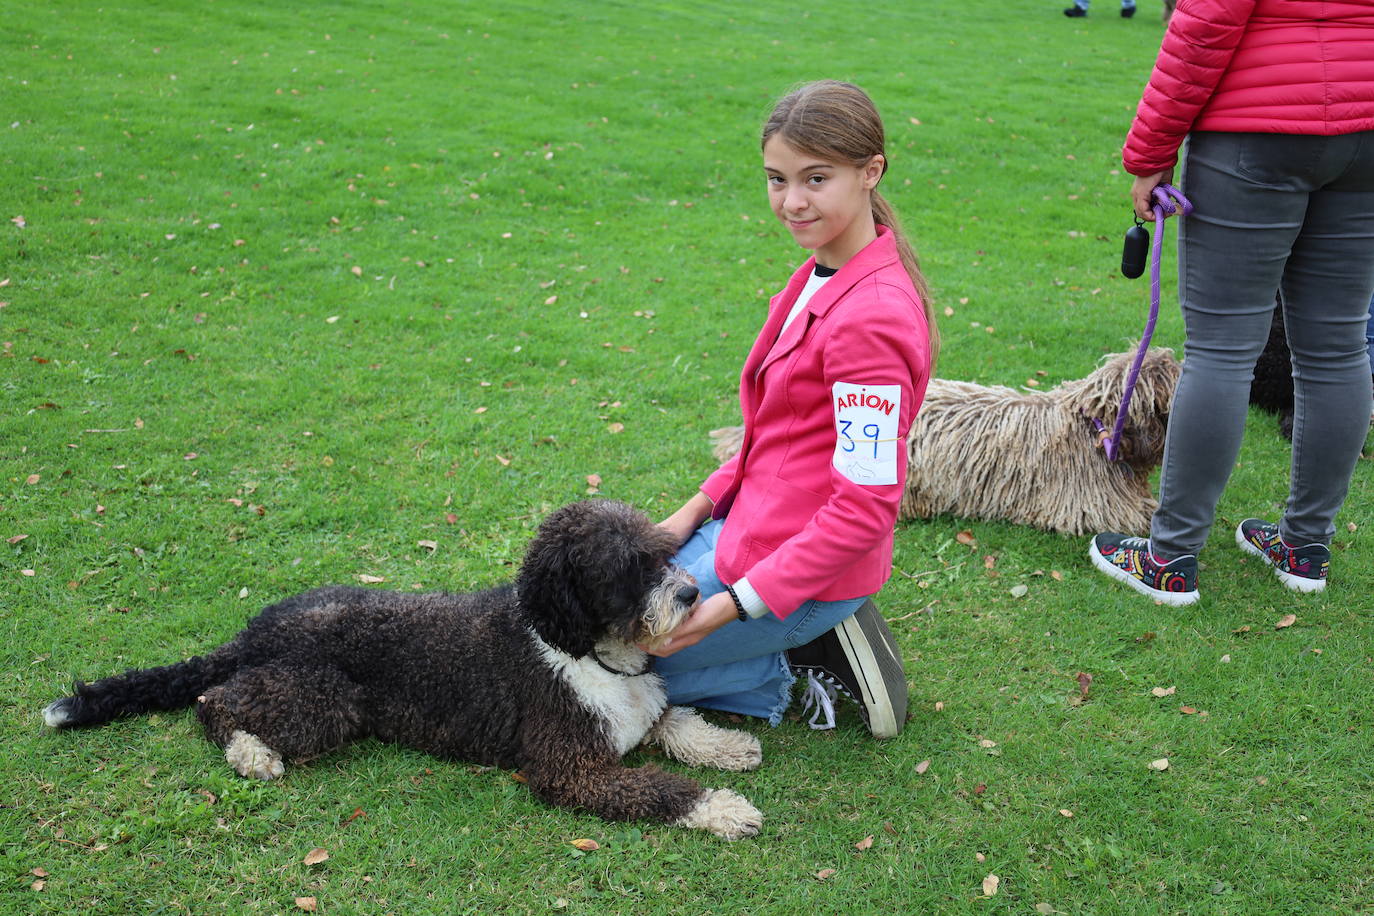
{"x": 1267, "y": 66}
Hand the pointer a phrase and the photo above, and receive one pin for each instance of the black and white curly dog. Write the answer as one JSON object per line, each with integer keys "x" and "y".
{"x": 544, "y": 675}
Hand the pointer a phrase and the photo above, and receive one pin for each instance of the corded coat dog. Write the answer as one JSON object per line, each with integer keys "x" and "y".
{"x": 544, "y": 675}
{"x": 1031, "y": 457}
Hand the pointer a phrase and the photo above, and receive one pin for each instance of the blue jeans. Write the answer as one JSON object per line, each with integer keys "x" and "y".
{"x": 1272, "y": 211}
{"x": 741, "y": 667}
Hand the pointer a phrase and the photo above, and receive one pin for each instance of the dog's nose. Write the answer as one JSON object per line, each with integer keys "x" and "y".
{"x": 688, "y": 594}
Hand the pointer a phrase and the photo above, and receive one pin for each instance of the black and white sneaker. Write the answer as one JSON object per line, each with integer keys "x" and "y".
{"x": 860, "y": 658}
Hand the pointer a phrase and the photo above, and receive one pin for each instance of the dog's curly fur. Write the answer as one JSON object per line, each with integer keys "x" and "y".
{"x": 515, "y": 676}
{"x": 1272, "y": 387}
{"x": 1031, "y": 457}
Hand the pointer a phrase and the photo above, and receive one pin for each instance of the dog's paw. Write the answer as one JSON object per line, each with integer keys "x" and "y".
{"x": 736, "y": 751}
{"x": 725, "y": 813}
{"x": 686, "y": 736}
{"x": 59, "y": 712}
{"x": 251, "y": 758}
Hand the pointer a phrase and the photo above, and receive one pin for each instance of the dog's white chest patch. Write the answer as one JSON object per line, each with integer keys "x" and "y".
{"x": 628, "y": 705}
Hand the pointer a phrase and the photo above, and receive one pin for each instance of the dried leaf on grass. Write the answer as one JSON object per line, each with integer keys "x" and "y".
{"x": 1287, "y": 620}
{"x": 316, "y": 856}
{"x": 1160, "y": 765}
{"x": 586, "y": 845}
{"x": 865, "y": 843}
{"x": 825, "y": 873}
{"x": 990, "y": 884}
{"x": 1163, "y": 691}
{"x": 308, "y": 904}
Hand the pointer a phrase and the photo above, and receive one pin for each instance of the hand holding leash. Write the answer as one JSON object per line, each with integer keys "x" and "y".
{"x": 1168, "y": 200}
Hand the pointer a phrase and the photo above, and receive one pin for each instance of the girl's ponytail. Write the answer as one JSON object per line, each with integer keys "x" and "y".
{"x": 885, "y": 215}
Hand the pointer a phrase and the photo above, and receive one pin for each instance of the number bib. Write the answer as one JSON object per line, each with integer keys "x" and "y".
{"x": 866, "y": 419}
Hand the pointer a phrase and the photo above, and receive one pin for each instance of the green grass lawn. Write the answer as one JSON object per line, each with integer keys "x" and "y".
{"x": 292, "y": 294}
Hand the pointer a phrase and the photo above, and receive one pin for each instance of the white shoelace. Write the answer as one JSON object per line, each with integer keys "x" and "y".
{"x": 820, "y": 699}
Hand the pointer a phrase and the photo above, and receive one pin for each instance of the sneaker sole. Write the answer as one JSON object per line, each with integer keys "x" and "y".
{"x": 871, "y": 649}
{"x": 1173, "y": 599}
{"x": 1296, "y": 583}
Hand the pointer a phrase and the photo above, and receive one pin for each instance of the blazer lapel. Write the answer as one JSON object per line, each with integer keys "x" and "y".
{"x": 878, "y": 253}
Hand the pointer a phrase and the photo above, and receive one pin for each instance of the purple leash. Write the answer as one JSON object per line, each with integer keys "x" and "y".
{"x": 1164, "y": 196}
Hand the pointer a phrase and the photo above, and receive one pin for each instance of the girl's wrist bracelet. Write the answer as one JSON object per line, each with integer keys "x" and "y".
{"x": 739, "y": 605}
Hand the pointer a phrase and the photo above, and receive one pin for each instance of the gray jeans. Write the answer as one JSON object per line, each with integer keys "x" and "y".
{"x": 1271, "y": 212}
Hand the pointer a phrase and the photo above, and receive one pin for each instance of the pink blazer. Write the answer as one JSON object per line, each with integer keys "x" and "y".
{"x": 1265, "y": 66}
{"x": 799, "y": 526}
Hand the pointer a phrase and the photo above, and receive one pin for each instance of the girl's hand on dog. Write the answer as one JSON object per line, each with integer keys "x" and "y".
{"x": 712, "y": 614}
{"x": 689, "y": 518}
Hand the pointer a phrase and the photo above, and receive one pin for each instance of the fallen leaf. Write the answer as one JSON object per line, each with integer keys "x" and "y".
{"x": 586, "y": 845}
{"x": 1056, "y": 575}
{"x": 966, "y": 538}
{"x": 1045, "y": 909}
{"x": 431, "y": 546}
{"x": 1085, "y": 681}
{"x": 979, "y": 857}
{"x": 990, "y": 884}
{"x": 922, "y": 767}
{"x": 825, "y": 873}
{"x": 594, "y": 480}
{"x": 307, "y": 904}
{"x": 16, "y": 539}
{"x": 33, "y": 479}
{"x": 316, "y": 856}
{"x": 27, "y": 572}
{"x": 987, "y": 742}
{"x": 1187, "y": 710}
{"x": 39, "y": 873}
{"x": 370, "y": 580}
{"x": 616, "y": 427}
{"x": 1065, "y": 812}
{"x": 551, "y": 300}
{"x": 1160, "y": 765}
{"x": 1163, "y": 691}
{"x": 1225, "y": 659}
{"x": 865, "y": 843}
{"x": 38, "y": 885}
{"x": 1019, "y": 591}
{"x": 1287, "y": 620}
{"x": 1244, "y": 629}
{"x": 356, "y": 271}
{"x": 939, "y": 705}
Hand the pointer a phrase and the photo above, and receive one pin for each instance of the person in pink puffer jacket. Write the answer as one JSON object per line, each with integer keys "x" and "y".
{"x": 1275, "y": 100}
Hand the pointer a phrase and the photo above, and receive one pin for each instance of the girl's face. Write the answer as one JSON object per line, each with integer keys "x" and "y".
{"x": 825, "y": 205}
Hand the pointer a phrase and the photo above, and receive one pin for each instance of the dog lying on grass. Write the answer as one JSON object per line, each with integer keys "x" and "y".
{"x": 1031, "y": 457}
{"x": 544, "y": 675}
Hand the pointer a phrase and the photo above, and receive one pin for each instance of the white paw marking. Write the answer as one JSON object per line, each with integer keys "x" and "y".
{"x": 55, "y": 714}
{"x": 251, "y": 758}
{"x": 725, "y": 813}
{"x": 687, "y": 737}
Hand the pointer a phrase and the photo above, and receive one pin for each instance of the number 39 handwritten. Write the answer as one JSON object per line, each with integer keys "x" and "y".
{"x": 870, "y": 431}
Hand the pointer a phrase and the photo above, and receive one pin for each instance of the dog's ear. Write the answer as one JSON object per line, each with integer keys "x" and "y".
{"x": 548, "y": 592}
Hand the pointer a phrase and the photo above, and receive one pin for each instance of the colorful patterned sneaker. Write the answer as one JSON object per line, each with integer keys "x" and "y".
{"x": 860, "y": 657}
{"x": 1129, "y": 559}
{"x": 1302, "y": 569}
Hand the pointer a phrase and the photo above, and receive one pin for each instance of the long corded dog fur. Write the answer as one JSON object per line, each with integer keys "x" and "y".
{"x": 545, "y": 676}
{"x": 1030, "y": 457}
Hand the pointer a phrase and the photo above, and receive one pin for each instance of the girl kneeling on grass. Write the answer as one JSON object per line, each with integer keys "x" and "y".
{"x": 798, "y": 525}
